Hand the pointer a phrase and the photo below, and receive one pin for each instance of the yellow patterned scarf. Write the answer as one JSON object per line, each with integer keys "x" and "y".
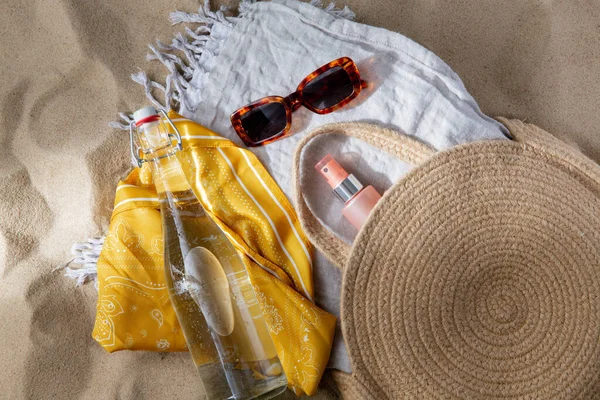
{"x": 134, "y": 311}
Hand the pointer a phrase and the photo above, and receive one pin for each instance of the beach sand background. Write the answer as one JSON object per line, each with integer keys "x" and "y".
{"x": 64, "y": 73}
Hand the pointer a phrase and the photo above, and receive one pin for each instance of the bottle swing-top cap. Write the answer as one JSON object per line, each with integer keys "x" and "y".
{"x": 145, "y": 114}
{"x": 142, "y": 116}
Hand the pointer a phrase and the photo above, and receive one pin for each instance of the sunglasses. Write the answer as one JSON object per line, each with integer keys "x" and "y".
{"x": 325, "y": 90}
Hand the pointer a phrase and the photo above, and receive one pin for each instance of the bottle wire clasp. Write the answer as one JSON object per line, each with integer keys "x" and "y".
{"x": 136, "y": 149}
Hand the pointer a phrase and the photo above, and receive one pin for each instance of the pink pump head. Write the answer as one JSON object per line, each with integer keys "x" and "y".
{"x": 333, "y": 172}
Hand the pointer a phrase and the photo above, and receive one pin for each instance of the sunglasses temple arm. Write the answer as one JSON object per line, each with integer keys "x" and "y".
{"x": 363, "y": 84}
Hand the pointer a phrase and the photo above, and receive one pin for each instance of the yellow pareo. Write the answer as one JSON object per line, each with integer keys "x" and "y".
{"x": 134, "y": 311}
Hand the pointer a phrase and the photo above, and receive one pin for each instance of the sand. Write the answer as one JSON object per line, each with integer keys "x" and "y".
{"x": 65, "y": 74}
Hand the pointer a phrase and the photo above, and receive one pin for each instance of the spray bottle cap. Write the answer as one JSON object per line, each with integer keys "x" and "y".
{"x": 345, "y": 186}
{"x": 333, "y": 172}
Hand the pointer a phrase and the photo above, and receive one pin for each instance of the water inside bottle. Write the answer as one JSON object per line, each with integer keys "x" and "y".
{"x": 230, "y": 343}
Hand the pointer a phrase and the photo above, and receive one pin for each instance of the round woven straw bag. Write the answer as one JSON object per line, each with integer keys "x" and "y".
{"x": 477, "y": 276}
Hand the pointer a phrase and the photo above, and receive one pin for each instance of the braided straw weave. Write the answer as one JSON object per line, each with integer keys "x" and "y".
{"x": 478, "y": 276}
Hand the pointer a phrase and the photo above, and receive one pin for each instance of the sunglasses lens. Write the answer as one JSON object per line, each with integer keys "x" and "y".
{"x": 264, "y": 121}
{"x": 328, "y": 89}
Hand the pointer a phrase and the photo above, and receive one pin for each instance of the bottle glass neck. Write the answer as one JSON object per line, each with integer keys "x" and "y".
{"x": 154, "y": 139}
{"x": 168, "y": 175}
{"x": 160, "y": 153}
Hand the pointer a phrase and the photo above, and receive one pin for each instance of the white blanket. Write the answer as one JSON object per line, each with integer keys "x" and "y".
{"x": 269, "y": 49}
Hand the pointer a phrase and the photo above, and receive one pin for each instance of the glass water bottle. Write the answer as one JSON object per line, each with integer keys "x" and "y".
{"x": 209, "y": 287}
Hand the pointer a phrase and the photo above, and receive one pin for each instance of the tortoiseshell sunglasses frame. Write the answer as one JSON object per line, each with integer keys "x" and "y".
{"x": 295, "y": 100}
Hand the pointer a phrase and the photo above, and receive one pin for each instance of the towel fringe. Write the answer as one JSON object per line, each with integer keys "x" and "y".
{"x": 85, "y": 254}
{"x": 124, "y": 126}
{"x": 245, "y": 6}
{"x": 141, "y": 78}
{"x": 345, "y": 12}
{"x": 199, "y": 47}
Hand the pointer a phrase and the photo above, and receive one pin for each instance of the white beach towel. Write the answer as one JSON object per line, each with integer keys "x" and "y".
{"x": 228, "y": 62}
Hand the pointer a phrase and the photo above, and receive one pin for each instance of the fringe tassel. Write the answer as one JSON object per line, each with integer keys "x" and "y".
{"x": 85, "y": 254}
{"x": 143, "y": 80}
{"x": 199, "y": 48}
{"x": 124, "y": 126}
{"x": 345, "y": 12}
{"x": 244, "y": 6}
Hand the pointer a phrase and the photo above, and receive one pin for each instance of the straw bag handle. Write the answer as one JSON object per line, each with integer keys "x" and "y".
{"x": 550, "y": 145}
{"x": 402, "y": 146}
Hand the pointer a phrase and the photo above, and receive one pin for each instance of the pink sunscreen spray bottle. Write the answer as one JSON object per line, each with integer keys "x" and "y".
{"x": 358, "y": 200}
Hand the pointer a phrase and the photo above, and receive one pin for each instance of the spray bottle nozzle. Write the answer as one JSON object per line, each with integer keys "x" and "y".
{"x": 333, "y": 172}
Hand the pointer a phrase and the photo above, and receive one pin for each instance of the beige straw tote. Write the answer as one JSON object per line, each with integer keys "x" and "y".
{"x": 476, "y": 276}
